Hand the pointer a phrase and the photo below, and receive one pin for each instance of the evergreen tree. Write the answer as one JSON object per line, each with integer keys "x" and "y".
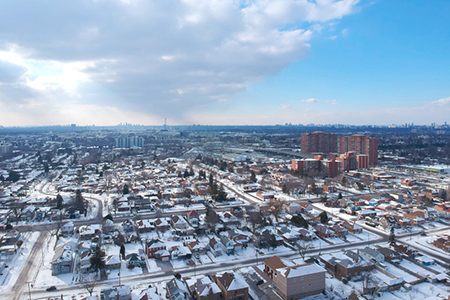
{"x": 272, "y": 241}
{"x": 212, "y": 218}
{"x": 253, "y": 176}
{"x": 122, "y": 251}
{"x": 392, "y": 240}
{"x": 221, "y": 194}
{"x": 340, "y": 195}
{"x": 59, "y": 201}
{"x": 211, "y": 181}
{"x": 300, "y": 221}
{"x": 126, "y": 189}
{"x": 97, "y": 259}
{"x": 323, "y": 217}
{"x": 13, "y": 176}
{"x": 79, "y": 202}
{"x": 108, "y": 217}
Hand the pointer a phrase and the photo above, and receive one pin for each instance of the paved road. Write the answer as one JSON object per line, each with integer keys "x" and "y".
{"x": 31, "y": 266}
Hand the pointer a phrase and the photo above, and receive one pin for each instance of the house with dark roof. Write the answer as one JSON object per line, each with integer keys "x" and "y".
{"x": 215, "y": 247}
{"x": 371, "y": 254}
{"x": 205, "y": 289}
{"x": 346, "y": 265}
{"x": 122, "y": 292}
{"x": 177, "y": 290}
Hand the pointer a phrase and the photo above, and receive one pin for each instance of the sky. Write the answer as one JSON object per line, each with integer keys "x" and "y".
{"x": 224, "y": 62}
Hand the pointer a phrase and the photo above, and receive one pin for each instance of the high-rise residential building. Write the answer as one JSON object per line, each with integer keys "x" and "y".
{"x": 132, "y": 141}
{"x": 318, "y": 142}
{"x": 360, "y": 144}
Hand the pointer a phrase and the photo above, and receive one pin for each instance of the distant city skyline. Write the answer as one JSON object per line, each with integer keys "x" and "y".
{"x": 231, "y": 62}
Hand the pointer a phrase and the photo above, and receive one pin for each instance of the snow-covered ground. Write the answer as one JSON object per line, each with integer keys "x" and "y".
{"x": 15, "y": 266}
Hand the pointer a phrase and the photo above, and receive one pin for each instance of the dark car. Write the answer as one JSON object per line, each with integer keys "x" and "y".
{"x": 259, "y": 282}
{"x": 51, "y": 288}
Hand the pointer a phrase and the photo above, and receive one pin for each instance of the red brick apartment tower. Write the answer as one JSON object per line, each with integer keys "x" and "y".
{"x": 360, "y": 144}
{"x": 318, "y": 142}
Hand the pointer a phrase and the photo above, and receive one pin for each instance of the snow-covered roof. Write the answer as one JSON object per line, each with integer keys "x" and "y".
{"x": 301, "y": 270}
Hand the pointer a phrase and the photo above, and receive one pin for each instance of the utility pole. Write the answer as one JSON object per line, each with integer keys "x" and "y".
{"x": 29, "y": 289}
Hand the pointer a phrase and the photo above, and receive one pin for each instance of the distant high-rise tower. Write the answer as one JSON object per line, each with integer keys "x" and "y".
{"x": 130, "y": 142}
{"x": 318, "y": 142}
{"x": 360, "y": 144}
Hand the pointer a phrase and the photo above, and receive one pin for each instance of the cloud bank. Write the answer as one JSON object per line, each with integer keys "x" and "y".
{"x": 99, "y": 61}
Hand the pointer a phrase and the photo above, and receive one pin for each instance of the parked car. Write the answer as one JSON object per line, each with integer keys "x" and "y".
{"x": 259, "y": 282}
{"x": 51, "y": 288}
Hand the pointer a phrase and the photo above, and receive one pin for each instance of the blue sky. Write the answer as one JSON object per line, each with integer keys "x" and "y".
{"x": 390, "y": 54}
{"x": 224, "y": 62}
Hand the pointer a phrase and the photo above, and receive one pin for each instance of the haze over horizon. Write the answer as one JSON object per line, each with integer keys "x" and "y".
{"x": 237, "y": 62}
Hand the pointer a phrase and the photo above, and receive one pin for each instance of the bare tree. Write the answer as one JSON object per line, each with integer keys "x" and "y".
{"x": 370, "y": 284}
{"x": 89, "y": 284}
{"x": 255, "y": 219}
{"x": 275, "y": 207}
{"x": 303, "y": 248}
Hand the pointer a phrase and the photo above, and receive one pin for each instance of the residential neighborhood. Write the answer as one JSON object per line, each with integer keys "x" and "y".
{"x": 108, "y": 223}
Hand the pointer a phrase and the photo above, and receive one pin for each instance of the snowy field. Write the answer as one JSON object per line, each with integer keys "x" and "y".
{"x": 392, "y": 269}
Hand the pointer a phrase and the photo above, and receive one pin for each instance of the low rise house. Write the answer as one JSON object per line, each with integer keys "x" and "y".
{"x": 227, "y": 244}
{"x": 442, "y": 243}
{"x": 196, "y": 247}
{"x": 193, "y": 218}
{"x": 346, "y": 265}
{"x": 67, "y": 228}
{"x": 215, "y": 247}
{"x": 232, "y": 287}
{"x": 324, "y": 231}
{"x": 145, "y": 225}
{"x": 371, "y": 254}
{"x": 295, "y": 281}
{"x": 62, "y": 261}
{"x": 204, "y": 289}
{"x": 177, "y": 290}
{"x": 406, "y": 250}
{"x": 294, "y": 208}
{"x": 178, "y": 223}
{"x": 352, "y": 227}
{"x": 122, "y": 292}
{"x": 339, "y": 230}
{"x": 112, "y": 262}
{"x": 153, "y": 246}
{"x": 390, "y": 254}
{"x": 162, "y": 224}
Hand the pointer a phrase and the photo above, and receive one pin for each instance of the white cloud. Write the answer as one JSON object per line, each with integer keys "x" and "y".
{"x": 443, "y": 101}
{"x": 285, "y": 106}
{"x": 135, "y": 54}
{"x": 332, "y": 102}
{"x": 310, "y": 100}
